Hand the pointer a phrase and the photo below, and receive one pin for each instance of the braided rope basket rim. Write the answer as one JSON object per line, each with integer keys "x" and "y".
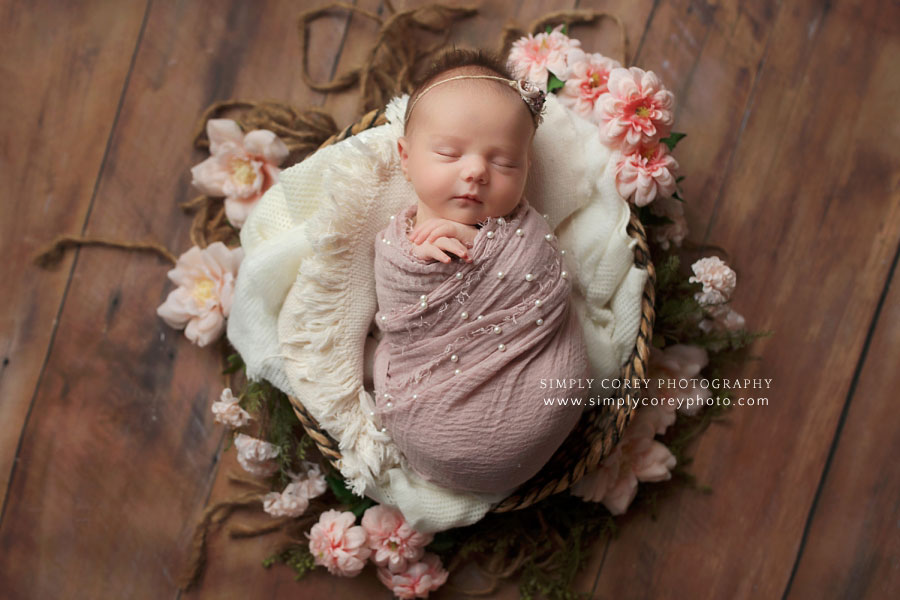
{"x": 599, "y": 429}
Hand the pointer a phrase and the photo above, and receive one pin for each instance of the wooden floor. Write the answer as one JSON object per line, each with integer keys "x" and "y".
{"x": 108, "y": 451}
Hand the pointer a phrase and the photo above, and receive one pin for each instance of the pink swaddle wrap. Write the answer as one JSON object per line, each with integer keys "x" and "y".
{"x": 462, "y": 396}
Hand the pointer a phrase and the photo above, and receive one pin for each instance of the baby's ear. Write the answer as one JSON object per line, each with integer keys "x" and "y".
{"x": 403, "y": 150}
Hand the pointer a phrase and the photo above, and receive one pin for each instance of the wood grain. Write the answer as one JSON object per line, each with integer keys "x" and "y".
{"x": 56, "y": 113}
{"x": 812, "y": 235}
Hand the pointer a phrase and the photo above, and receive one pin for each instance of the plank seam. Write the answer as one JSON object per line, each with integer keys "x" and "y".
{"x": 841, "y": 421}
{"x": 65, "y": 294}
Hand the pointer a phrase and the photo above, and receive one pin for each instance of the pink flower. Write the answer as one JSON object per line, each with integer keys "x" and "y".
{"x": 294, "y": 500}
{"x": 642, "y": 459}
{"x": 718, "y": 280}
{"x": 596, "y": 483}
{"x": 723, "y": 318}
{"x": 256, "y": 456}
{"x": 671, "y": 372}
{"x": 202, "y": 300}
{"x": 586, "y": 82}
{"x": 339, "y": 545}
{"x": 636, "y": 110}
{"x": 241, "y": 167}
{"x": 228, "y": 412}
{"x": 418, "y": 580}
{"x": 673, "y": 232}
{"x": 533, "y": 57}
{"x": 646, "y": 174}
{"x": 393, "y": 541}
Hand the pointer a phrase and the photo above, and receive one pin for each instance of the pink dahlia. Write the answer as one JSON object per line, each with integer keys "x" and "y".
{"x": 636, "y": 110}
{"x": 418, "y": 580}
{"x": 586, "y": 82}
{"x": 339, "y": 545}
{"x": 202, "y": 300}
{"x": 240, "y": 167}
{"x": 645, "y": 174}
{"x": 534, "y": 57}
{"x": 393, "y": 541}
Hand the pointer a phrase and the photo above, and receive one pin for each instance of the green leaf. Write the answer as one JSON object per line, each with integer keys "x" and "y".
{"x": 679, "y": 179}
{"x": 565, "y": 28}
{"x": 554, "y": 83}
{"x": 234, "y": 362}
{"x": 673, "y": 140}
{"x": 677, "y": 196}
{"x": 549, "y": 29}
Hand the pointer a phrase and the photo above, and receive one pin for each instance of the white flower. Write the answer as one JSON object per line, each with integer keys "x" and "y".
{"x": 228, "y": 412}
{"x": 256, "y": 456}
{"x": 718, "y": 280}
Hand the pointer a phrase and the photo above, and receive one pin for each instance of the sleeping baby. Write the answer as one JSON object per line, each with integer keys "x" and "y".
{"x": 473, "y": 293}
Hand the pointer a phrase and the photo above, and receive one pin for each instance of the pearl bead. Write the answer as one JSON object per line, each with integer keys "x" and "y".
{"x": 454, "y": 358}
{"x": 415, "y": 396}
{"x": 564, "y": 274}
{"x": 371, "y": 413}
{"x": 529, "y": 277}
{"x": 546, "y": 216}
{"x": 538, "y": 302}
{"x": 383, "y": 318}
{"x": 383, "y": 241}
{"x": 459, "y": 275}
{"x": 562, "y": 252}
{"x": 463, "y": 315}
{"x": 490, "y": 235}
{"x": 500, "y": 274}
{"x": 519, "y": 232}
{"x": 388, "y": 242}
{"x": 497, "y": 329}
{"x": 392, "y": 217}
{"x": 539, "y": 322}
{"x": 423, "y": 304}
{"x": 501, "y": 221}
{"x": 479, "y": 317}
{"x": 384, "y": 430}
{"x": 423, "y": 298}
{"x": 501, "y": 347}
{"x": 389, "y": 404}
{"x": 386, "y": 396}
{"x": 549, "y": 237}
{"x": 456, "y": 371}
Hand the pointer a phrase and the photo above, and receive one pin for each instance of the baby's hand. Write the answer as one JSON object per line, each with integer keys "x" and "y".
{"x": 435, "y": 249}
{"x": 432, "y": 229}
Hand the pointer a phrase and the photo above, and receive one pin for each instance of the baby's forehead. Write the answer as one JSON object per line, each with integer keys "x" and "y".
{"x": 469, "y": 95}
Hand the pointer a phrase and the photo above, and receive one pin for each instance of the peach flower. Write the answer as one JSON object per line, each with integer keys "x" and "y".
{"x": 339, "y": 545}
{"x": 202, "y": 300}
{"x": 596, "y": 483}
{"x": 645, "y": 174}
{"x": 723, "y": 318}
{"x": 669, "y": 233}
{"x": 718, "y": 280}
{"x": 636, "y": 110}
{"x": 240, "y": 167}
{"x": 395, "y": 544}
{"x": 418, "y": 580}
{"x": 681, "y": 363}
{"x": 228, "y": 412}
{"x": 534, "y": 57}
{"x": 294, "y": 499}
{"x": 256, "y": 456}
{"x": 586, "y": 82}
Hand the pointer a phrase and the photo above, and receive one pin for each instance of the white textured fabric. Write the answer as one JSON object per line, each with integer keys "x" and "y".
{"x": 305, "y": 296}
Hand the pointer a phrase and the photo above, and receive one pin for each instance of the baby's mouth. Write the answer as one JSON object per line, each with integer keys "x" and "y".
{"x": 469, "y": 197}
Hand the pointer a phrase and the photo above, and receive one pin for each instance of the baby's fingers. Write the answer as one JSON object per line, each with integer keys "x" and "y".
{"x": 454, "y": 246}
{"x": 442, "y": 230}
{"x": 420, "y": 232}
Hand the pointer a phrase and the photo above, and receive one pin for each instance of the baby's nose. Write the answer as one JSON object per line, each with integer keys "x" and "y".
{"x": 475, "y": 169}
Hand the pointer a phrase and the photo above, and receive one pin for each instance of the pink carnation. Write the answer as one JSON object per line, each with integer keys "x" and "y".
{"x": 418, "y": 580}
{"x": 669, "y": 233}
{"x": 228, "y": 412}
{"x": 294, "y": 500}
{"x": 202, "y": 300}
{"x": 679, "y": 362}
{"x": 645, "y": 174}
{"x": 240, "y": 167}
{"x": 586, "y": 82}
{"x": 393, "y": 541}
{"x": 534, "y": 57}
{"x": 636, "y": 110}
{"x": 339, "y": 545}
{"x": 718, "y": 280}
{"x": 256, "y": 456}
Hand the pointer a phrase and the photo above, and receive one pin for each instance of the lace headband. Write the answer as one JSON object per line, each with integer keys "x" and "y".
{"x": 530, "y": 93}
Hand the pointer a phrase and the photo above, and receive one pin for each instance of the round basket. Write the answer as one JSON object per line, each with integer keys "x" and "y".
{"x": 599, "y": 429}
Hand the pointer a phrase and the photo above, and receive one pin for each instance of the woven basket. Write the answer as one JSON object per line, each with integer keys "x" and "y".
{"x": 598, "y": 430}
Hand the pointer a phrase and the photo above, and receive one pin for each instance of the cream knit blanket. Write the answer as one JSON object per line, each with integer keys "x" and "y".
{"x": 305, "y": 294}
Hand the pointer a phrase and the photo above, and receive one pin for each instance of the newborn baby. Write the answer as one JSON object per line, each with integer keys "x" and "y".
{"x": 473, "y": 294}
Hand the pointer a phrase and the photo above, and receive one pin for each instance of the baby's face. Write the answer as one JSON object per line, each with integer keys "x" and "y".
{"x": 467, "y": 152}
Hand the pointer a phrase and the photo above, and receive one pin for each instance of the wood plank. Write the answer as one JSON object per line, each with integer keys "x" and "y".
{"x": 56, "y": 113}
{"x": 120, "y": 450}
{"x": 852, "y": 547}
{"x": 804, "y": 210}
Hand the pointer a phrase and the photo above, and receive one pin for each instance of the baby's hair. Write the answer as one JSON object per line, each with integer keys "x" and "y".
{"x": 479, "y": 62}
